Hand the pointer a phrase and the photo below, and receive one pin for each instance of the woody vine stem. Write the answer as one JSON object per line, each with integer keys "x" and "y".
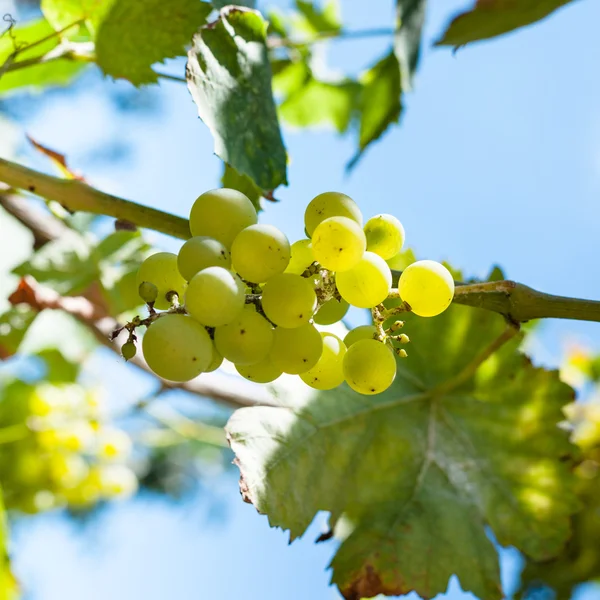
{"x": 515, "y": 301}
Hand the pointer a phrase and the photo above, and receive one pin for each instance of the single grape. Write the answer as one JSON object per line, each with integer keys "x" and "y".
{"x": 259, "y": 252}
{"x": 296, "y": 350}
{"x": 289, "y": 300}
{"x": 67, "y": 470}
{"x": 247, "y": 340}
{"x": 263, "y": 372}
{"x": 369, "y": 367}
{"x": 367, "y": 284}
{"x": 331, "y": 312}
{"x": 385, "y": 235}
{"x": 338, "y": 243}
{"x": 161, "y": 270}
{"x": 221, "y": 214}
{"x": 330, "y": 204}
{"x": 363, "y": 332}
{"x": 301, "y": 257}
{"x": 128, "y": 350}
{"x": 74, "y": 436}
{"x": 177, "y": 347}
{"x": 400, "y": 261}
{"x": 217, "y": 361}
{"x": 148, "y": 292}
{"x": 328, "y": 373}
{"x": 199, "y": 253}
{"x": 215, "y": 296}
{"x": 427, "y": 287}
{"x": 113, "y": 444}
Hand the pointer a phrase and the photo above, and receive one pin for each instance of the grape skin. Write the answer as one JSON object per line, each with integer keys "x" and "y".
{"x": 215, "y": 296}
{"x": 296, "y": 350}
{"x": 161, "y": 270}
{"x": 217, "y": 360}
{"x": 289, "y": 300}
{"x": 177, "y": 347}
{"x": 385, "y": 235}
{"x": 367, "y": 284}
{"x": 263, "y": 372}
{"x": 427, "y": 287}
{"x": 199, "y": 253}
{"x": 330, "y": 204}
{"x": 301, "y": 257}
{"x": 328, "y": 373}
{"x": 260, "y": 252}
{"x": 363, "y": 332}
{"x": 369, "y": 367}
{"x": 338, "y": 243}
{"x": 221, "y": 214}
{"x": 331, "y": 312}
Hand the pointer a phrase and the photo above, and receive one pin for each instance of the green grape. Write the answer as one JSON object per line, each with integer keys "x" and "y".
{"x": 177, "y": 347}
{"x": 328, "y": 373}
{"x": 259, "y": 252}
{"x": 363, "y": 332}
{"x": 113, "y": 444}
{"x": 215, "y": 296}
{"x": 263, "y": 372}
{"x": 367, "y": 284}
{"x": 330, "y": 204}
{"x": 400, "y": 261}
{"x": 217, "y": 361}
{"x": 338, "y": 243}
{"x": 128, "y": 350}
{"x": 199, "y": 253}
{"x": 161, "y": 270}
{"x": 369, "y": 367}
{"x": 301, "y": 257}
{"x": 67, "y": 470}
{"x": 289, "y": 300}
{"x": 331, "y": 312}
{"x": 247, "y": 340}
{"x": 221, "y": 214}
{"x": 385, "y": 235}
{"x": 296, "y": 350}
{"x": 427, "y": 287}
{"x": 148, "y": 291}
{"x": 116, "y": 481}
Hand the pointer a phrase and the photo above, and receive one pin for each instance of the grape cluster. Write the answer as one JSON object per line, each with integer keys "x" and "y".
{"x": 239, "y": 291}
{"x": 61, "y": 452}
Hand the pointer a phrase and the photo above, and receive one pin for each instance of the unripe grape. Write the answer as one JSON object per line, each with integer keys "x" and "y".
{"x": 217, "y": 360}
{"x": 369, "y": 367}
{"x": 296, "y": 350}
{"x": 128, "y": 350}
{"x": 117, "y": 481}
{"x": 400, "y": 261}
{"x": 330, "y": 204}
{"x": 301, "y": 257}
{"x": 161, "y": 270}
{"x": 199, "y": 253}
{"x": 148, "y": 292}
{"x": 328, "y": 373}
{"x": 289, "y": 300}
{"x": 263, "y": 372}
{"x": 338, "y": 243}
{"x": 67, "y": 470}
{"x": 427, "y": 287}
{"x": 113, "y": 444}
{"x": 363, "y": 332}
{"x": 331, "y": 312}
{"x": 385, "y": 235}
{"x": 215, "y": 296}
{"x": 177, "y": 347}
{"x": 367, "y": 284}
{"x": 221, "y": 214}
{"x": 247, "y": 340}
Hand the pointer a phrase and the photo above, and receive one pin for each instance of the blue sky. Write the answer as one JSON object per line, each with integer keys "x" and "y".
{"x": 497, "y": 161}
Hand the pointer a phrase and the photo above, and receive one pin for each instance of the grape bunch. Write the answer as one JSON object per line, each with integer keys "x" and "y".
{"x": 238, "y": 290}
{"x": 62, "y": 454}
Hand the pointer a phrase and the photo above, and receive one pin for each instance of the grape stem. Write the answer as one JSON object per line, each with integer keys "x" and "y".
{"x": 515, "y": 301}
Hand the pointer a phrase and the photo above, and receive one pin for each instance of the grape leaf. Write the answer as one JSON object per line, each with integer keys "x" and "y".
{"x": 62, "y": 13}
{"x": 313, "y": 19}
{"x": 58, "y": 368}
{"x": 410, "y": 17}
{"x": 219, "y": 4}
{"x": 490, "y": 18}
{"x": 458, "y": 443}
{"x": 135, "y": 34}
{"x": 229, "y": 77}
{"x": 14, "y": 324}
{"x": 232, "y": 179}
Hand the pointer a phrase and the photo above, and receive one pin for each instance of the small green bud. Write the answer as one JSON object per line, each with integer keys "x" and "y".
{"x": 403, "y": 338}
{"x": 397, "y": 325}
{"x": 128, "y": 350}
{"x": 402, "y": 353}
{"x": 148, "y": 292}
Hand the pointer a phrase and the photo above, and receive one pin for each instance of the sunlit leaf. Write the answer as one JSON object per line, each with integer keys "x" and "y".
{"x": 410, "y": 17}
{"x": 232, "y": 179}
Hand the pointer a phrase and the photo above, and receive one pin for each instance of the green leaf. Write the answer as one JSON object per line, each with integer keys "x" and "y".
{"x": 58, "y": 72}
{"x": 380, "y": 102}
{"x": 14, "y": 324}
{"x": 491, "y": 18}
{"x": 62, "y": 13}
{"x": 229, "y": 77}
{"x": 312, "y": 20}
{"x": 135, "y": 34}
{"x": 8, "y": 584}
{"x": 219, "y": 4}
{"x": 289, "y": 77}
{"x": 415, "y": 474}
{"x": 59, "y": 369}
{"x": 232, "y": 179}
{"x": 322, "y": 103}
{"x": 410, "y": 17}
